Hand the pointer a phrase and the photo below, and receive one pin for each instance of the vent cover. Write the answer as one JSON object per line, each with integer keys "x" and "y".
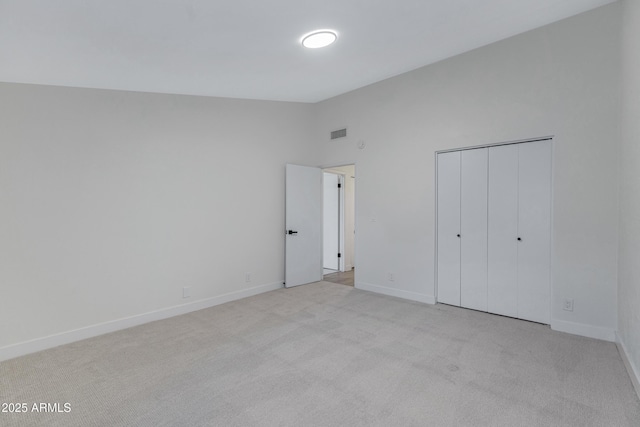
{"x": 341, "y": 133}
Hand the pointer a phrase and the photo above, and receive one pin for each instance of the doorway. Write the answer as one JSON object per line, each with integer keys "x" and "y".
{"x": 339, "y": 224}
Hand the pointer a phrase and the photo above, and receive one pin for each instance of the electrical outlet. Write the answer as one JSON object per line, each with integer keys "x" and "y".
{"x": 390, "y": 277}
{"x": 247, "y": 277}
{"x": 186, "y": 292}
{"x": 567, "y": 304}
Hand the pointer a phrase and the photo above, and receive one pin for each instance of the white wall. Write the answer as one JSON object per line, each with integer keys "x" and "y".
{"x": 629, "y": 291}
{"x": 112, "y": 202}
{"x": 559, "y": 80}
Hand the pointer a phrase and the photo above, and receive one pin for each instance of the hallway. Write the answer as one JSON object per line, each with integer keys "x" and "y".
{"x": 343, "y": 278}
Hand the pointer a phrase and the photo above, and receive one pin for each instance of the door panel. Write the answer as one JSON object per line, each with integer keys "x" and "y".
{"x": 534, "y": 228}
{"x": 303, "y": 215}
{"x": 473, "y": 227}
{"x": 448, "y": 228}
{"x": 331, "y": 221}
{"x": 503, "y": 230}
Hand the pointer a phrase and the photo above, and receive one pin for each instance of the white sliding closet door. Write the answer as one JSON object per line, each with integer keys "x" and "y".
{"x": 503, "y": 230}
{"x": 494, "y": 229}
{"x": 449, "y": 228}
{"x": 473, "y": 229}
{"x": 534, "y": 230}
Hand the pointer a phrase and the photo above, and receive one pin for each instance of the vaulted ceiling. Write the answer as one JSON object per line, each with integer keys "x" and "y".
{"x": 250, "y": 48}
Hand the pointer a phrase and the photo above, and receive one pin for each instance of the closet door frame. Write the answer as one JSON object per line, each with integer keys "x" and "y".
{"x": 549, "y": 138}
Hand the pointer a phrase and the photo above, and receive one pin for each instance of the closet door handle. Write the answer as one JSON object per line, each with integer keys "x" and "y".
{"x": 519, "y": 239}
{"x": 458, "y": 235}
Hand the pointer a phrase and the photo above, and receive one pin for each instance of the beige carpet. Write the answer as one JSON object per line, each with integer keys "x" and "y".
{"x": 326, "y": 355}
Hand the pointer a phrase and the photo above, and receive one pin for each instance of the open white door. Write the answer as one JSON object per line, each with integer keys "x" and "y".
{"x": 303, "y": 219}
{"x": 331, "y": 222}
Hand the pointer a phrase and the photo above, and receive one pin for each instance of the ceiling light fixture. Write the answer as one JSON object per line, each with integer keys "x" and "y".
{"x": 319, "y": 38}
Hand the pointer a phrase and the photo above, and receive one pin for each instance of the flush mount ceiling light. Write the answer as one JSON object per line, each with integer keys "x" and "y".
{"x": 319, "y": 38}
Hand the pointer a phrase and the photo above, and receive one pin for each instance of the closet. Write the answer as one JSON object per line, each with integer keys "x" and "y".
{"x": 494, "y": 229}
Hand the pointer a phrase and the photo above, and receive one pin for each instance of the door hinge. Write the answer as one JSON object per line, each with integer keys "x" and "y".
{"x": 339, "y": 255}
{"x": 339, "y": 185}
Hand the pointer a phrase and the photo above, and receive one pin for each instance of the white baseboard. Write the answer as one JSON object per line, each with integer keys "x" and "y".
{"x": 581, "y": 329}
{"x": 413, "y": 296}
{"x": 633, "y": 371}
{"x": 39, "y": 344}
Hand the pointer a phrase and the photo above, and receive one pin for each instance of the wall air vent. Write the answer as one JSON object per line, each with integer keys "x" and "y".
{"x": 341, "y": 133}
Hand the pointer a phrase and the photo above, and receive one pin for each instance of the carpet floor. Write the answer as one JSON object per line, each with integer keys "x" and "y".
{"x": 325, "y": 355}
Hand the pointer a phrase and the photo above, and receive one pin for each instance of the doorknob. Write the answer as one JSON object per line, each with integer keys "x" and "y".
{"x": 292, "y": 232}
{"x": 519, "y": 239}
{"x": 458, "y": 235}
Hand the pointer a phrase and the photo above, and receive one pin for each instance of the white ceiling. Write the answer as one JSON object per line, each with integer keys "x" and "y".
{"x": 250, "y": 48}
